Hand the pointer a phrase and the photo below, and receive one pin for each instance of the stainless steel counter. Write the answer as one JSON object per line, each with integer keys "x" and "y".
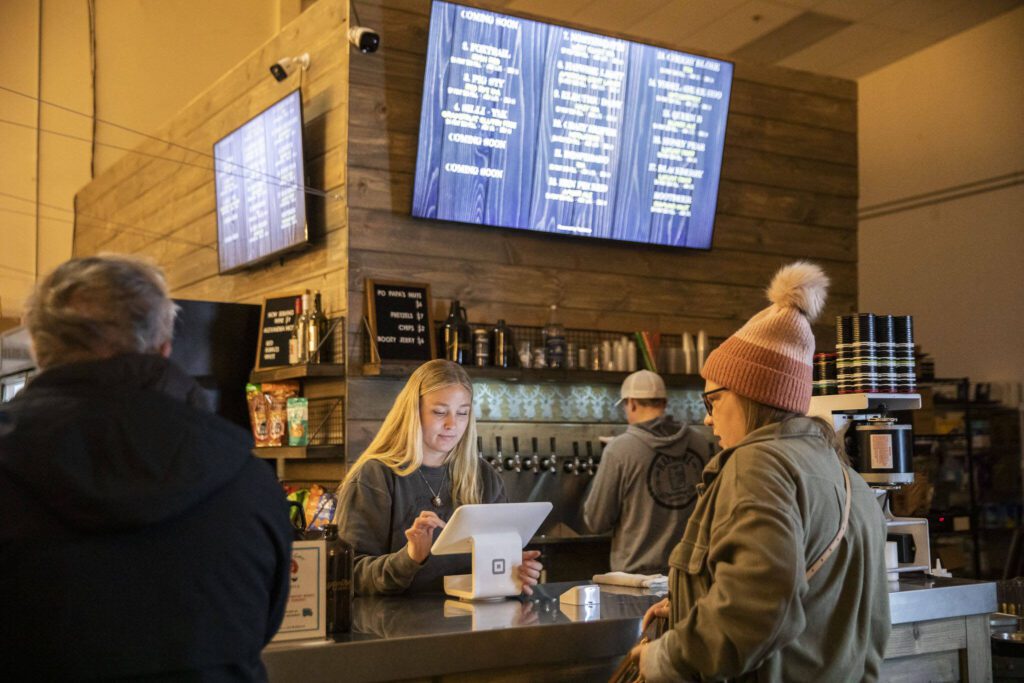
{"x": 923, "y": 598}
{"x": 418, "y": 637}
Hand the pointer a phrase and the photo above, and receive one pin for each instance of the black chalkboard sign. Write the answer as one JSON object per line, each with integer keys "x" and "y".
{"x": 398, "y": 317}
{"x": 277, "y": 320}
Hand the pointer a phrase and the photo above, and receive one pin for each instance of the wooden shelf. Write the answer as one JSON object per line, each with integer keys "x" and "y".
{"x": 300, "y": 452}
{"x": 533, "y": 375}
{"x": 323, "y": 370}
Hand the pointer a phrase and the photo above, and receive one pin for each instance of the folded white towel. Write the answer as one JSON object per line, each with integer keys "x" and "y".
{"x": 634, "y": 580}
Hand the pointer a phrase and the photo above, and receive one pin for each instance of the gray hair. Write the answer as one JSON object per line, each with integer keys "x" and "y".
{"x": 98, "y": 307}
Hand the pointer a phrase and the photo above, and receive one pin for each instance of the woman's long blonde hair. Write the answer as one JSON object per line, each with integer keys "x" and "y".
{"x": 399, "y": 442}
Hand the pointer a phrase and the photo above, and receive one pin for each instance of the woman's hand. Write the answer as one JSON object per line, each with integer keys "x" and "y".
{"x": 529, "y": 570}
{"x": 420, "y": 535}
{"x": 659, "y": 609}
{"x": 636, "y": 652}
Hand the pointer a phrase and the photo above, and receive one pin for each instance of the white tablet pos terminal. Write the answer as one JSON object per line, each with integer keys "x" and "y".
{"x": 496, "y": 535}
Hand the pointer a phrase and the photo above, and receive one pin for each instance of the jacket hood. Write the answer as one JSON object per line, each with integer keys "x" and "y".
{"x": 795, "y": 428}
{"x": 662, "y": 434}
{"x": 117, "y": 443}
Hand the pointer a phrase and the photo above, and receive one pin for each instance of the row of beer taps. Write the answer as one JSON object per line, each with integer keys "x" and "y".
{"x": 536, "y": 462}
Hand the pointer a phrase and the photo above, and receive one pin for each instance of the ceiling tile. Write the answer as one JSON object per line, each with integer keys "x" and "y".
{"x": 674, "y": 20}
{"x": 804, "y": 30}
{"x": 741, "y": 25}
{"x": 563, "y": 10}
{"x": 615, "y": 15}
{"x": 801, "y": 4}
{"x": 840, "y": 48}
{"x": 853, "y": 10}
{"x": 966, "y": 15}
{"x": 908, "y": 15}
{"x": 895, "y": 49}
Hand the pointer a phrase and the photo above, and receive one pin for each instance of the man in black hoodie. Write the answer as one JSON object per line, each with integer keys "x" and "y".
{"x": 139, "y": 538}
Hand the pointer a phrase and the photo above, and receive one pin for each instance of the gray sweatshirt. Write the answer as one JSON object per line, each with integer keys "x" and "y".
{"x": 377, "y": 506}
{"x": 645, "y": 490}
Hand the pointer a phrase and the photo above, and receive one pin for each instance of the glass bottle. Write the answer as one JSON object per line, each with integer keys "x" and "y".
{"x": 455, "y": 336}
{"x": 316, "y": 326}
{"x": 294, "y": 347}
{"x": 503, "y": 351}
{"x": 554, "y": 340}
{"x": 340, "y": 557}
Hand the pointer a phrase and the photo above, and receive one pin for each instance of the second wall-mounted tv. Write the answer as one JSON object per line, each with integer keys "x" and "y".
{"x": 260, "y": 182}
{"x": 541, "y": 127}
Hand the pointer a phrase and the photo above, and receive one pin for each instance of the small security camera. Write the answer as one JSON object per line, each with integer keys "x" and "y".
{"x": 283, "y": 68}
{"x": 366, "y": 39}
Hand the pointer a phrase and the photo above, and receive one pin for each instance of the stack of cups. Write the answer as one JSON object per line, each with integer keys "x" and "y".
{"x": 884, "y": 332}
{"x": 856, "y": 354}
{"x": 825, "y": 383}
{"x": 903, "y": 353}
{"x": 874, "y": 353}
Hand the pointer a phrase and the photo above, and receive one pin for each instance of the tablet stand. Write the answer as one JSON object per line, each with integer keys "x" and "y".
{"x": 495, "y": 558}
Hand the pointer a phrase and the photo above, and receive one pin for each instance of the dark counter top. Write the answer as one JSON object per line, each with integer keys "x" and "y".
{"x": 432, "y": 635}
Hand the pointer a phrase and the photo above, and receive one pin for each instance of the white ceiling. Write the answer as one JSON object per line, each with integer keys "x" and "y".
{"x": 843, "y": 38}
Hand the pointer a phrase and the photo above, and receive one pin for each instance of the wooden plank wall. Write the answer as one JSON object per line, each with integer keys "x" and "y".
{"x": 158, "y": 200}
{"x": 788, "y": 191}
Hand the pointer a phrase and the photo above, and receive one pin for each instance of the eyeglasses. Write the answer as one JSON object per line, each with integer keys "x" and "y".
{"x": 709, "y": 405}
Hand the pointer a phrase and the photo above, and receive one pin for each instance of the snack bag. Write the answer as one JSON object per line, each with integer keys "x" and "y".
{"x": 298, "y": 421}
{"x": 259, "y": 414}
{"x": 319, "y": 508}
{"x": 277, "y": 394}
{"x": 297, "y": 501}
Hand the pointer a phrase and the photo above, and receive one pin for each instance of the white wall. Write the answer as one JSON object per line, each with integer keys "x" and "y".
{"x": 941, "y": 139}
{"x": 152, "y": 58}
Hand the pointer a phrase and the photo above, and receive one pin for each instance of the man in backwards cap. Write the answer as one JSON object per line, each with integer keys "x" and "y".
{"x": 645, "y": 486}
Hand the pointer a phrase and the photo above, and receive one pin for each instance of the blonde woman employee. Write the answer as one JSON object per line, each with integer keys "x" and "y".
{"x": 406, "y": 485}
{"x": 780, "y": 574}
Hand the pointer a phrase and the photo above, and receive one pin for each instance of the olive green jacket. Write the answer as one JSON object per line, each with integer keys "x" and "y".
{"x": 741, "y": 605}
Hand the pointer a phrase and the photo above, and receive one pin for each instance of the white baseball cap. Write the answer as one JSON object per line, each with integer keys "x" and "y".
{"x": 642, "y": 384}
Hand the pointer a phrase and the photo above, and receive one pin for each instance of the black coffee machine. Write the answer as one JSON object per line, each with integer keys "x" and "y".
{"x": 881, "y": 450}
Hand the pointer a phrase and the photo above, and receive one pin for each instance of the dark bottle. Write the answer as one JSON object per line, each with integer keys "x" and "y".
{"x": 339, "y": 581}
{"x": 503, "y": 353}
{"x": 455, "y": 340}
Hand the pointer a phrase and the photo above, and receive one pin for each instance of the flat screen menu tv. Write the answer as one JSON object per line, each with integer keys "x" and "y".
{"x": 541, "y": 127}
{"x": 259, "y": 173}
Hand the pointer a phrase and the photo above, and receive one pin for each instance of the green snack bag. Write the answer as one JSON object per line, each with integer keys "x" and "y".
{"x": 298, "y": 422}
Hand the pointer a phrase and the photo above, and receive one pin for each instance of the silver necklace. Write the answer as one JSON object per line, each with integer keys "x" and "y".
{"x": 436, "y": 496}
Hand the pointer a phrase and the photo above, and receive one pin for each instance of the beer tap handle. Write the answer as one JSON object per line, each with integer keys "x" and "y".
{"x": 550, "y": 463}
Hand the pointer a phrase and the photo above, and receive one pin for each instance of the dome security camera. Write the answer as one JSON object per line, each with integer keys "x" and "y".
{"x": 366, "y": 39}
{"x": 285, "y": 67}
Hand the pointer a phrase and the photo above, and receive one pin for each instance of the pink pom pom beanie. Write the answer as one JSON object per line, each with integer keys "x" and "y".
{"x": 770, "y": 358}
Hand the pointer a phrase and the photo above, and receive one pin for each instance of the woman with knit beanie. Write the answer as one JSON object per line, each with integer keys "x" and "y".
{"x": 780, "y": 575}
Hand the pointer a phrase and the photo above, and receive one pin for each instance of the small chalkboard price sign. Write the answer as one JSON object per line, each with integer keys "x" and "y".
{"x": 398, "y": 317}
{"x": 277, "y": 321}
